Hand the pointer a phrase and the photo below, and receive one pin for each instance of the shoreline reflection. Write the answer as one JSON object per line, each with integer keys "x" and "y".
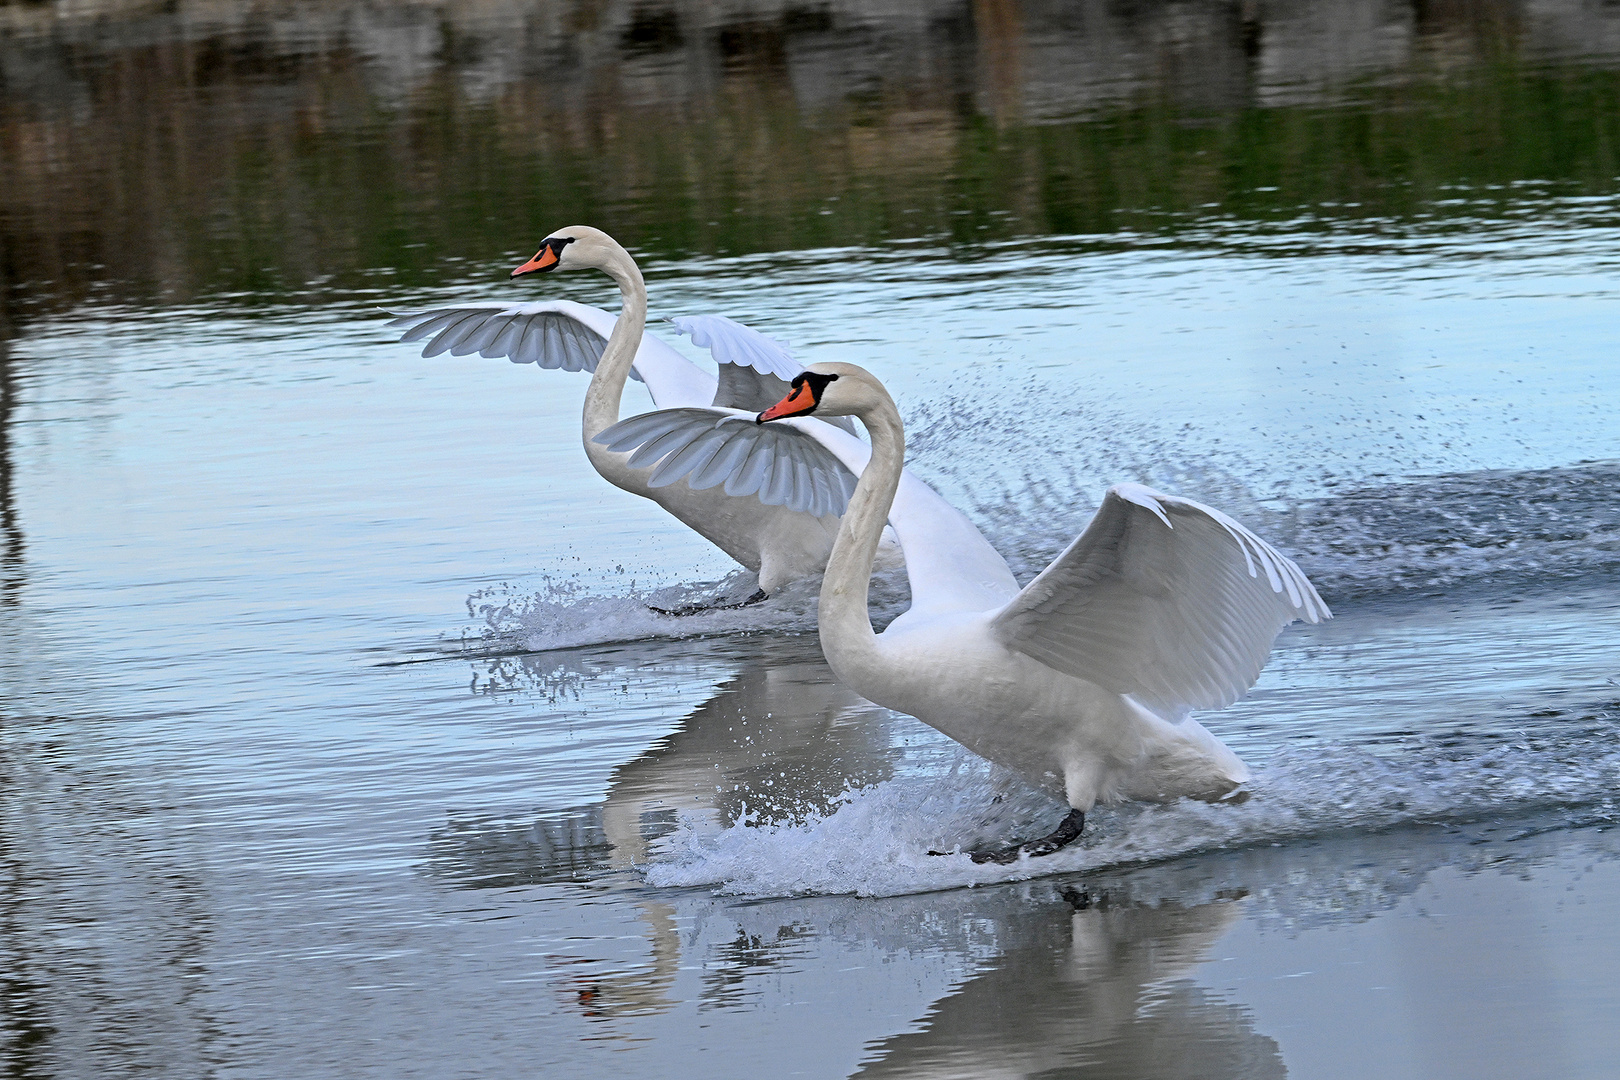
{"x": 226, "y": 150}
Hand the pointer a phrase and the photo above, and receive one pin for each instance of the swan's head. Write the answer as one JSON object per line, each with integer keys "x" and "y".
{"x": 829, "y": 390}
{"x": 573, "y": 248}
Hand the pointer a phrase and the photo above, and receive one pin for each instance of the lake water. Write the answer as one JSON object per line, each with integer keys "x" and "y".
{"x": 338, "y": 739}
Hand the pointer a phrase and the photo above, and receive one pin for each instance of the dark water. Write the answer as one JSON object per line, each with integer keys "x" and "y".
{"x": 337, "y": 738}
{"x": 167, "y": 153}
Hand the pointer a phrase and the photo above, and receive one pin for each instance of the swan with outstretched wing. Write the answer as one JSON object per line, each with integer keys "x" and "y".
{"x": 783, "y": 529}
{"x": 1081, "y": 681}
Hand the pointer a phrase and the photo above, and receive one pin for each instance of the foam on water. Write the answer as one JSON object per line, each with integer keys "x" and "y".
{"x": 1032, "y": 477}
{"x": 1443, "y": 532}
{"x": 1523, "y": 528}
{"x": 876, "y": 841}
{"x": 563, "y": 615}
{"x": 1363, "y": 539}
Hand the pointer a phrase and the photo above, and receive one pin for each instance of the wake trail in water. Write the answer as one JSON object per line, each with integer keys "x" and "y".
{"x": 876, "y": 842}
{"x": 1033, "y": 482}
{"x": 562, "y": 616}
{"x": 1517, "y": 532}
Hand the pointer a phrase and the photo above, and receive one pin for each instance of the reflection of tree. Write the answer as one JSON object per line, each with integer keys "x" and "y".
{"x": 1100, "y": 993}
{"x": 11, "y": 537}
{"x": 223, "y": 147}
{"x": 25, "y": 1000}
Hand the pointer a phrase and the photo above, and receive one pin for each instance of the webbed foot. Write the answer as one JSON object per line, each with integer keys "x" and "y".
{"x": 1066, "y": 833}
{"x": 700, "y": 609}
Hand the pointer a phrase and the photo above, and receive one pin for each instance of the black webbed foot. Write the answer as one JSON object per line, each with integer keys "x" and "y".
{"x": 1066, "y": 833}
{"x": 700, "y": 609}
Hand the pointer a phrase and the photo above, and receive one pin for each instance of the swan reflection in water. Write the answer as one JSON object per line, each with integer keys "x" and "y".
{"x": 779, "y": 739}
{"x": 1059, "y": 976}
{"x": 1090, "y": 988}
{"x": 1067, "y": 978}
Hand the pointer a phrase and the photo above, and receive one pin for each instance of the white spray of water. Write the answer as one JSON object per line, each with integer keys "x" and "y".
{"x": 876, "y": 842}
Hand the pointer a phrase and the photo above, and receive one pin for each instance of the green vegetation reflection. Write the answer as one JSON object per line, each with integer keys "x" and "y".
{"x": 327, "y": 187}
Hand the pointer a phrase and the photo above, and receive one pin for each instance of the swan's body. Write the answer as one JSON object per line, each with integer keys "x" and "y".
{"x": 781, "y": 536}
{"x": 1082, "y": 680}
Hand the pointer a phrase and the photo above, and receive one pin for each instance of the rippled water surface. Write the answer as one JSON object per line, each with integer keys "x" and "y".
{"x": 338, "y": 736}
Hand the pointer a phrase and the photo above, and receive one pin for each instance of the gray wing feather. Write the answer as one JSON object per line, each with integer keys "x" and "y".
{"x": 726, "y": 461}
{"x": 452, "y": 333}
{"x": 689, "y": 458}
{"x": 730, "y": 342}
{"x": 481, "y": 337}
{"x": 631, "y": 433}
{"x": 755, "y": 368}
{"x": 550, "y": 339}
{"x": 437, "y": 321}
{"x": 778, "y": 489}
{"x": 776, "y": 463}
{"x": 505, "y": 343}
{"x": 755, "y": 391}
{"x": 804, "y": 485}
{"x": 655, "y": 450}
{"x": 557, "y": 346}
{"x": 747, "y": 479}
{"x": 530, "y": 345}
{"x": 738, "y": 387}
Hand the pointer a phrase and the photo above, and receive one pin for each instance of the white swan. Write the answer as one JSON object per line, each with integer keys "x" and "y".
{"x": 783, "y": 534}
{"x": 1081, "y": 681}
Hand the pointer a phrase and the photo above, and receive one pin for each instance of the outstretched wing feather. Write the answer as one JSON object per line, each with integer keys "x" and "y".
{"x": 453, "y": 332}
{"x": 778, "y": 464}
{"x": 730, "y": 342}
{"x": 540, "y": 334}
{"x": 779, "y": 488}
{"x": 748, "y": 479}
{"x": 732, "y": 453}
{"x": 506, "y": 342}
{"x": 481, "y": 337}
{"x": 425, "y": 323}
{"x": 631, "y": 433}
{"x": 689, "y": 458}
{"x": 1161, "y": 598}
{"x": 654, "y": 451}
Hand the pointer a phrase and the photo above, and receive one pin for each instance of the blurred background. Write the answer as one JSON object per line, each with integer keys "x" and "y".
{"x": 180, "y": 148}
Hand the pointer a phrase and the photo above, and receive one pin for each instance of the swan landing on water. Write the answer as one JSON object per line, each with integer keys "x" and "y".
{"x": 1081, "y": 681}
{"x": 776, "y": 509}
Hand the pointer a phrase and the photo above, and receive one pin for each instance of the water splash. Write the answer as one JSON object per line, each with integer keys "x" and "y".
{"x": 565, "y": 615}
{"x": 876, "y": 841}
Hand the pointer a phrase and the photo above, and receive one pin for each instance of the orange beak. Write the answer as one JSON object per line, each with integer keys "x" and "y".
{"x": 800, "y": 400}
{"x": 544, "y": 259}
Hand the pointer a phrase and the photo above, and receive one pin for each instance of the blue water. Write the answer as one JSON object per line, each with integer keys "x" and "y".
{"x": 339, "y": 740}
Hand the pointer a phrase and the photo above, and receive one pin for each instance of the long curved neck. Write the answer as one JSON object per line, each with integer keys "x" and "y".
{"x": 607, "y": 384}
{"x": 847, "y": 638}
